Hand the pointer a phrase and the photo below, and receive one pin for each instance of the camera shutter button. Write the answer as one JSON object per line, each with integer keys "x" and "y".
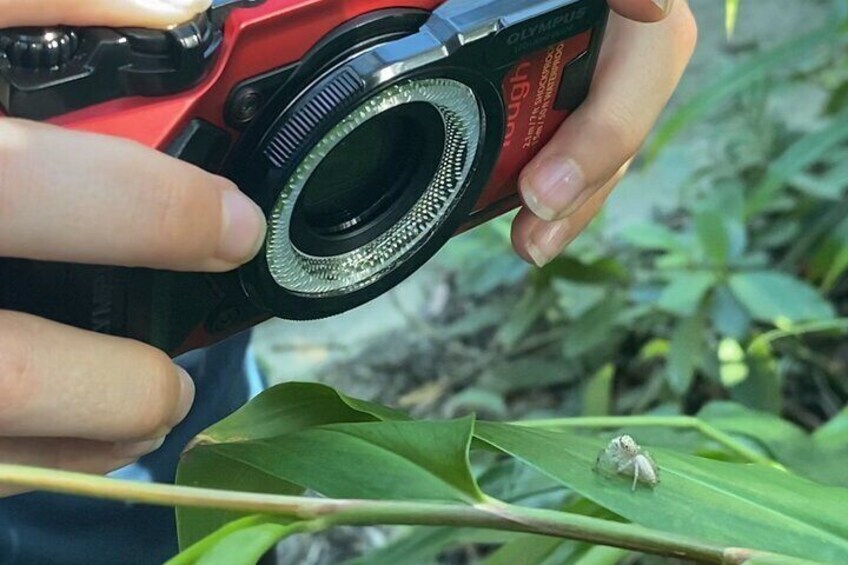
{"x": 38, "y": 48}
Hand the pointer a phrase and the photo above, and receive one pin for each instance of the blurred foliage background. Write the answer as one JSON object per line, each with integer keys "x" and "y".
{"x": 714, "y": 284}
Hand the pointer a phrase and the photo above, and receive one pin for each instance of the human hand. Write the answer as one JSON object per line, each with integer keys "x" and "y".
{"x": 564, "y": 187}
{"x": 69, "y": 398}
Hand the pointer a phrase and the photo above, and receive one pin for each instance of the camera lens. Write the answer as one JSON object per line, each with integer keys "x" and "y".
{"x": 373, "y": 176}
{"x": 374, "y": 189}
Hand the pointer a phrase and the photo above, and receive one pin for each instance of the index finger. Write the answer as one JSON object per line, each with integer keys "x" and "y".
{"x": 81, "y": 197}
{"x": 112, "y": 13}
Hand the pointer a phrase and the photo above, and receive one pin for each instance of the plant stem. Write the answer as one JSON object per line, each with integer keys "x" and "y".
{"x": 839, "y": 324}
{"x": 686, "y": 422}
{"x": 324, "y": 513}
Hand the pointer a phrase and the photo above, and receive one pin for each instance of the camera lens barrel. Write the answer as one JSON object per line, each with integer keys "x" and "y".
{"x": 455, "y": 106}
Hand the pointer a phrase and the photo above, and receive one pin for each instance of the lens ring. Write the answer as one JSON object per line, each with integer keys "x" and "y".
{"x": 325, "y": 276}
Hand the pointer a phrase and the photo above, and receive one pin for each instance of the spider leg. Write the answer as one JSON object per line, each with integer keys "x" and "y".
{"x": 635, "y": 477}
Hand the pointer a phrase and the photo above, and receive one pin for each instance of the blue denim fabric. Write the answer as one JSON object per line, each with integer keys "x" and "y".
{"x": 43, "y": 529}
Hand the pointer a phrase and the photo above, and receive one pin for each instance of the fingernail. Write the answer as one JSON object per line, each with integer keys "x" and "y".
{"x": 550, "y": 186}
{"x": 664, "y": 5}
{"x": 244, "y": 227}
{"x": 548, "y": 240}
{"x": 138, "y": 449}
{"x": 186, "y": 397}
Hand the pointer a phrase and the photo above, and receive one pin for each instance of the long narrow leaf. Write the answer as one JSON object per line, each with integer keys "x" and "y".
{"x": 738, "y": 80}
{"x": 739, "y": 505}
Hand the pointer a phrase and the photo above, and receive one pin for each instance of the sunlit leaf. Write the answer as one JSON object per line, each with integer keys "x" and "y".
{"x": 771, "y": 295}
{"x": 731, "y": 13}
{"x": 729, "y": 503}
{"x": 247, "y": 546}
{"x": 685, "y": 291}
{"x": 284, "y": 409}
{"x": 653, "y": 236}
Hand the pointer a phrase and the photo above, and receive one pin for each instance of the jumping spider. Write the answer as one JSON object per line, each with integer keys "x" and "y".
{"x": 623, "y": 456}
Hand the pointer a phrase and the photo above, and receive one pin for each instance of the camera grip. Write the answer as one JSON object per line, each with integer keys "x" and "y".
{"x": 175, "y": 312}
{"x": 89, "y": 297}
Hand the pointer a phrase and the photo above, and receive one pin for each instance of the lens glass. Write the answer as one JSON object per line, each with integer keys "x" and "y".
{"x": 369, "y": 175}
{"x": 369, "y": 170}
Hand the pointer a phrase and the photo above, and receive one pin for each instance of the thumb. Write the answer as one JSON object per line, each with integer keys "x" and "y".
{"x": 109, "y": 13}
{"x": 642, "y": 10}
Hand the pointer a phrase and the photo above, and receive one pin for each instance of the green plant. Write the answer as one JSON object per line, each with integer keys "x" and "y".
{"x": 376, "y": 466}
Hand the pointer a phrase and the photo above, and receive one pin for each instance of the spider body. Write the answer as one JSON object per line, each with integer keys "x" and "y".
{"x": 623, "y": 456}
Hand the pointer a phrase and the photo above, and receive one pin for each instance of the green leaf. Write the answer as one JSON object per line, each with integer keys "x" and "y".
{"x": 836, "y": 430}
{"x": 762, "y": 389}
{"x": 714, "y": 236}
{"x": 595, "y": 328}
{"x": 685, "y": 292}
{"x": 204, "y": 468}
{"x": 247, "y": 546}
{"x": 599, "y": 555}
{"x": 597, "y": 395}
{"x": 522, "y": 318}
{"x": 477, "y": 400}
{"x": 573, "y": 269}
{"x": 687, "y": 344}
{"x": 739, "y": 79}
{"x": 283, "y": 409}
{"x": 801, "y": 155}
{"x": 422, "y": 545}
{"x": 575, "y": 299}
{"x": 829, "y": 261}
{"x": 733, "y": 504}
{"x": 770, "y": 296}
{"x": 241, "y": 541}
{"x": 820, "y": 457}
{"x": 426, "y": 460}
{"x": 728, "y": 316}
{"x": 653, "y": 237}
{"x": 731, "y": 13}
{"x": 526, "y": 373}
{"x": 291, "y": 407}
{"x": 828, "y": 184}
{"x": 527, "y": 550}
{"x": 770, "y": 430}
{"x": 507, "y": 480}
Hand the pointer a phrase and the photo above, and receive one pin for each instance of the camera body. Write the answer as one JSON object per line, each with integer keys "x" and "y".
{"x": 369, "y": 132}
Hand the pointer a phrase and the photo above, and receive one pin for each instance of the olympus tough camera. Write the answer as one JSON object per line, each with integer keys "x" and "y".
{"x": 369, "y": 131}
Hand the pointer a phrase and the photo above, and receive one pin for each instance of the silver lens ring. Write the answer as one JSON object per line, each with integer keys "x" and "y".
{"x": 336, "y": 275}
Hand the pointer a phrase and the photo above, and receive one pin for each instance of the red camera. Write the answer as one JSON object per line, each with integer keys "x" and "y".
{"x": 369, "y": 132}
